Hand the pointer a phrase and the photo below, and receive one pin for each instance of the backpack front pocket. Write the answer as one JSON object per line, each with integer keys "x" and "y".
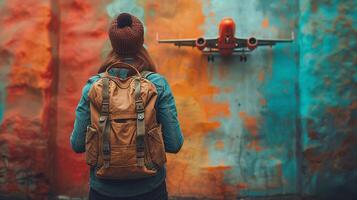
{"x": 91, "y": 146}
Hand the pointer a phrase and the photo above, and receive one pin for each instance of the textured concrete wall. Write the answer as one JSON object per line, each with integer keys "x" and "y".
{"x": 27, "y": 97}
{"x": 328, "y": 97}
{"x": 82, "y": 40}
{"x": 281, "y": 124}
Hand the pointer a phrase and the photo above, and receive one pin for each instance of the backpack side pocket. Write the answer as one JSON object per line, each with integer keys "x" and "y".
{"x": 156, "y": 146}
{"x": 91, "y": 146}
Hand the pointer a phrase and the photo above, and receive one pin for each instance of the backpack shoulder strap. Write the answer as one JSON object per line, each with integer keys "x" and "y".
{"x": 104, "y": 122}
{"x": 146, "y": 74}
{"x": 140, "y": 124}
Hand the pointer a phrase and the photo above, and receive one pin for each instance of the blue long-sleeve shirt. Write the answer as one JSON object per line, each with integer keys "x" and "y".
{"x": 172, "y": 135}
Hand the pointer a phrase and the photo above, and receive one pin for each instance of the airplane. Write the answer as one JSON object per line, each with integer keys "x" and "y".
{"x": 226, "y": 44}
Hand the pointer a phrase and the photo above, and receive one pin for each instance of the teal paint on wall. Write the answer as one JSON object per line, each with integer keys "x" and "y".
{"x": 311, "y": 82}
{"x": 328, "y": 98}
{"x": 272, "y": 169}
{"x": 129, "y": 6}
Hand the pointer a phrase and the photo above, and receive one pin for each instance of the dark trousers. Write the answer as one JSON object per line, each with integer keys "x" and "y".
{"x": 159, "y": 193}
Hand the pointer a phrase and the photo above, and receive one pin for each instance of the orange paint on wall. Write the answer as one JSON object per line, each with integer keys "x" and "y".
{"x": 254, "y": 145}
{"x": 204, "y": 182}
{"x": 242, "y": 185}
{"x": 263, "y": 101}
{"x": 265, "y": 23}
{"x": 261, "y": 75}
{"x": 190, "y": 79}
{"x": 31, "y": 45}
{"x": 250, "y": 123}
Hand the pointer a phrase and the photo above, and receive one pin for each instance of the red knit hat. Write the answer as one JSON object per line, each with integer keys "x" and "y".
{"x": 126, "y": 34}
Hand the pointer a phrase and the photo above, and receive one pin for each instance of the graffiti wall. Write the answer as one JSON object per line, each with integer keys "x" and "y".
{"x": 281, "y": 124}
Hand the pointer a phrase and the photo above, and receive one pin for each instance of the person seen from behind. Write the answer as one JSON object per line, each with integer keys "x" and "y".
{"x": 126, "y": 120}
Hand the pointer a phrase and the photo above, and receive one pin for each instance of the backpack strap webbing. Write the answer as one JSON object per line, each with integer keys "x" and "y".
{"x": 140, "y": 124}
{"x": 140, "y": 120}
{"x": 146, "y": 74}
{"x": 104, "y": 122}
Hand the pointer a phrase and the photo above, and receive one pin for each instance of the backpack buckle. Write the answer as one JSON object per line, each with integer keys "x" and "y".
{"x": 102, "y": 119}
{"x": 105, "y": 108}
{"x": 140, "y": 116}
{"x": 139, "y": 106}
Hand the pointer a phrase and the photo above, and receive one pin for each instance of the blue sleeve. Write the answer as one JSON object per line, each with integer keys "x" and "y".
{"x": 82, "y": 121}
{"x": 167, "y": 115}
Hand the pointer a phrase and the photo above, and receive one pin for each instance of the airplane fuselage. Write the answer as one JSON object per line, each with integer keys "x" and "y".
{"x": 226, "y": 39}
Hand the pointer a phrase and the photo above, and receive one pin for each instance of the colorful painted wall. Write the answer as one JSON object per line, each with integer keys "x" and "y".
{"x": 282, "y": 124}
{"x": 328, "y": 108}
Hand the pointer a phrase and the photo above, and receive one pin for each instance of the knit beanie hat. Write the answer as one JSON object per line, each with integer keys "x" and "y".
{"x": 126, "y": 34}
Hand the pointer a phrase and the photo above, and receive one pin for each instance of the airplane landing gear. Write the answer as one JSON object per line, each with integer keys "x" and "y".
{"x": 210, "y": 58}
{"x": 243, "y": 58}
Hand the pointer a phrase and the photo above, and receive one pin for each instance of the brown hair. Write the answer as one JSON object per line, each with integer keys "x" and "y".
{"x": 142, "y": 62}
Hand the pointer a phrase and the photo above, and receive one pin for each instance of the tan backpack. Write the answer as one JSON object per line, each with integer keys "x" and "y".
{"x": 124, "y": 140}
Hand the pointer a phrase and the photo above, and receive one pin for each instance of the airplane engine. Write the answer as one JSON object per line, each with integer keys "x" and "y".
{"x": 252, "y": 43}
{"x": 201, "y": 43}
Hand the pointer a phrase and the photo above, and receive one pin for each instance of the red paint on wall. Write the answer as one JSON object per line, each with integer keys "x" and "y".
{"x": 83, "y": 36}
{"x": 25, "y": 60}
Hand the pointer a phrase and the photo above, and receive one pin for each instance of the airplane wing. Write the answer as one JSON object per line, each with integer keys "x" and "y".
{"x": 211, "y": 42}
{"x": 180, "y": 42}
{"x": 242, "y": 42}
